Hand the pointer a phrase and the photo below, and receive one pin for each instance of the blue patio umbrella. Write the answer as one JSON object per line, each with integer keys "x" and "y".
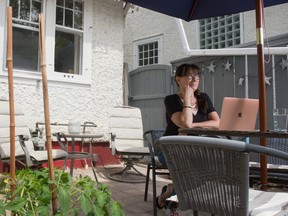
{"x": 199, "y": 9}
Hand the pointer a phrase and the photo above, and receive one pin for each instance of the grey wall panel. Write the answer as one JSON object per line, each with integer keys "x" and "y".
{"x": 148, "y": 87}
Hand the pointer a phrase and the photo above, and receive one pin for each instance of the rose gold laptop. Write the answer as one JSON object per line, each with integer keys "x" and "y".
{"x": 238, "y": 114}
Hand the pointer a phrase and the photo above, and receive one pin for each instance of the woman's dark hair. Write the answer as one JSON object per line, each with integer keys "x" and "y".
{"x": 183, "y": 70}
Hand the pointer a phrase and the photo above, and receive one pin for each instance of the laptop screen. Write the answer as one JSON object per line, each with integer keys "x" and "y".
{"x": 239, "y": 114}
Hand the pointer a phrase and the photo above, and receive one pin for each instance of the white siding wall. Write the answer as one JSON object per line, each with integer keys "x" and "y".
{"x": 276, "y": 19}
{"x": 83, "y": 102}
{"x": 143, "y": 23}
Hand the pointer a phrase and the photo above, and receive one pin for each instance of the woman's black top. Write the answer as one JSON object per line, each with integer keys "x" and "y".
{"x": 173, "y": 103}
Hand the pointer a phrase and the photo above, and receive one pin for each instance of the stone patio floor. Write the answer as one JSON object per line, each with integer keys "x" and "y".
{"x": 131, "y": 195}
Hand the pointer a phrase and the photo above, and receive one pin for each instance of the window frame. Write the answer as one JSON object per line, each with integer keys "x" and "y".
{"x": 152, "y": 39}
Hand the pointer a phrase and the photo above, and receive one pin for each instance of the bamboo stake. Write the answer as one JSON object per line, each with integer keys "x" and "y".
{"x": 11, "y": 97}
{"x": 46, "y": 112}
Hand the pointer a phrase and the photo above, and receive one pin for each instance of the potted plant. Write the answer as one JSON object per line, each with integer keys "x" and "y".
{"x": 32, "y": 195}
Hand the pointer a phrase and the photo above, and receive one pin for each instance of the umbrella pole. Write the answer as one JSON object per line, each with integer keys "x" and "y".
{"x": 262, "y": 89}
{"x": 11, "y": 97}
{"x": 47, "y": 115}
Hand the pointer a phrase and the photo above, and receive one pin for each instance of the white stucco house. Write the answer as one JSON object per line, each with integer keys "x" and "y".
{"x": 84, "y": 59}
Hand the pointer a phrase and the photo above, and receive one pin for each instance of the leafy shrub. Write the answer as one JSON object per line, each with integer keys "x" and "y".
{"x": 32, "y": 195}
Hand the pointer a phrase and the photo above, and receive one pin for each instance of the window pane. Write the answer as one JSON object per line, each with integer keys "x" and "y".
{"x": 59, "y": 16}
{"x": 25, "y": 49}
{"x": 140, "y": 62}
{"x": 78, "y": 21}
{"x": 67, "y": 52}
{"x": 14, "y": 5}
{"x": 25, "y": 10}
{"x": 36, "y": 10}
{"x": 140, "y": 48}
{"x": 69, "y": 4}
{"x": 60, "y": 2}
{"x": 156, "y": 60}
{"x": 78, "y": 6}
{"x": 68, "y": 18}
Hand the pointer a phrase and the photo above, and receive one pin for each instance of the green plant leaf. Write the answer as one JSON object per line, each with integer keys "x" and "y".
{"x": 102, "y": 198}
{"x": 16, "y": 204}
{"x": 116, "y": 209}
{"x": 2, "y": 208}
{"x": 43, "y": 211}
{"x": 85, "y": 204}
{"x": 64, "y": 199}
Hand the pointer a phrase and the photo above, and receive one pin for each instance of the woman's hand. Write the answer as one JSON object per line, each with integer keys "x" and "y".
{"x": 187, "y": 92}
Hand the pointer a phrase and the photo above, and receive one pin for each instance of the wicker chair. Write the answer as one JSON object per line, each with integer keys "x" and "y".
{"x": 277, "y": 168}
{"x": 152, "y": 139}
{"x": 212, "y": 175}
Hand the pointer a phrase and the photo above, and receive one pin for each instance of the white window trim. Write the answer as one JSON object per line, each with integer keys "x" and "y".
{"x": 55, "y": 77}
{"x": 157, "y": 38}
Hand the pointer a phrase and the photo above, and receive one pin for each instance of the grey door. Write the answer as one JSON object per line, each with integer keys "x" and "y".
{"x": 148, "y": 87}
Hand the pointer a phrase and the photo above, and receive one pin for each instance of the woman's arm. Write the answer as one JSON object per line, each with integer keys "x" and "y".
{"x": 212, "y": 123}
{"x": 183, "y": 119}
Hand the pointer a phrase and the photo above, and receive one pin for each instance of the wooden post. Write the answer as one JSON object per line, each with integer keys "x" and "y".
{"x": 46, "y": 112}
{"x": 11, "y": 96}
{"x": 262, "y": 89}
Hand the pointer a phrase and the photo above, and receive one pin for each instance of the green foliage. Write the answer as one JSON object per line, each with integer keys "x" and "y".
{"x": 32, "y": 195}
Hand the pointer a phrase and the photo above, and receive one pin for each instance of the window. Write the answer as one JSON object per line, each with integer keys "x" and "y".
{"x": 68, "y": 36}
{"x": 147, "y": 51}
{"x": 25, "y": 34}
{"x": 148, "y": 54}
{"x": 220, "y": 32}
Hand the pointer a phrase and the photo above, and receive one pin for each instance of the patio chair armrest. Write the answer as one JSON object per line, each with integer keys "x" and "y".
{"x": 22, "y": 139}
{"x": 112, "y": 143}
{"x": 63, "y": 143}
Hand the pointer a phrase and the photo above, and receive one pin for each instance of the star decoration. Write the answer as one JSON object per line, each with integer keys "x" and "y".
{"x": 267, "y": 80}
{"x": 227, "y": 65}
{"x": 211, "y": 67}
{"x": 284, "y": 64}
{"x": 240, "y": 81}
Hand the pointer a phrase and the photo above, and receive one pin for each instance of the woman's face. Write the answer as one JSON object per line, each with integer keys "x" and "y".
{"x": 191, "y": 79}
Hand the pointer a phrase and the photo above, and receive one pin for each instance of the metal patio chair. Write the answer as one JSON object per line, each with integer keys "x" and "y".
{"x": 24, "y": 148}
{"x": 127, "y": 142}
{"x": 212, "y": 175}
{"x": 152, "y": 139}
